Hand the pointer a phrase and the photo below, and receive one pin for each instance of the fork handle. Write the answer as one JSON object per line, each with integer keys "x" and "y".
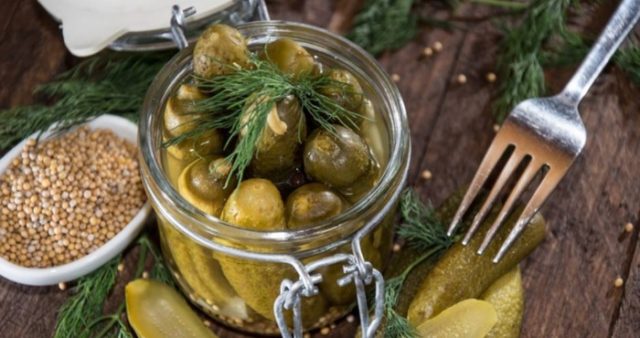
{"x": 614, "y": 33}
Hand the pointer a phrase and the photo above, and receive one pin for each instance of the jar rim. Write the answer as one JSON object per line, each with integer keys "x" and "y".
{"x": 206, "y": 227}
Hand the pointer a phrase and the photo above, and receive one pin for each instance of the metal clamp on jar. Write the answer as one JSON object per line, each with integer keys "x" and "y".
{"x": 272, "y": 282}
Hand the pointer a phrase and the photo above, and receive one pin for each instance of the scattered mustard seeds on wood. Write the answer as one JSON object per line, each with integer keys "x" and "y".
{"x": 628, "y": 227}
{"x": 426, "y": 175}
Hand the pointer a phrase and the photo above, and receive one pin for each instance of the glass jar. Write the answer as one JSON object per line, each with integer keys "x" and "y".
{"x": 235, "y": 274}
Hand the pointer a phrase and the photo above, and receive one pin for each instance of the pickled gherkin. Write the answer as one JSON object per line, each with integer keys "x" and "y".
{"x": 288, "y": 56}
{"x": 344, "y": 89}
{"x": 507, "y": 297}
{"x": 470, "y": 318}
{"x": 345, "y": 295}
{"x": 156, "y": 310}
{"x": 256, "y": 204}
{"x": 180, "y": 117}
{"x": 241, "y": 173}
{"x": 277, "y": 151}
{"x": 204, "y": 184}
{"x": 462, "y": 274}
{"x": 220, "y": 50}
{"x": 202, "y": 273}
{"x": 338, "y": 159}
{"x": 312, "y": 203}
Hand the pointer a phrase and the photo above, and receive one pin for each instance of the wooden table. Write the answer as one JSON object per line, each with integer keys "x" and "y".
{"x": 569, "y": 280}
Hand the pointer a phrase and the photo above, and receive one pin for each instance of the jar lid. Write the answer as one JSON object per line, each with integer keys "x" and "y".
{"x": 88, "y": 26}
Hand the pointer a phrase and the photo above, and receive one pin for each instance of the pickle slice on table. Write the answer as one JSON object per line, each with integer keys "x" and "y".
{"x": 461, "y": 273}
{"x": 156, "y": 310}
{"x": 507, "y": 297}
{"x": 470, "y": 318}
{"x": 256, "y": 204}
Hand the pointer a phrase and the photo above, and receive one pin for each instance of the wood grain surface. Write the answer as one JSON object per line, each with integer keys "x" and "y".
{"x": 569, "y": 280}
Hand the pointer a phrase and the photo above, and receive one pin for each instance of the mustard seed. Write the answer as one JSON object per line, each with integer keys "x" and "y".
{"x": 628, "y": 227}
{"x": 50, "y": 197}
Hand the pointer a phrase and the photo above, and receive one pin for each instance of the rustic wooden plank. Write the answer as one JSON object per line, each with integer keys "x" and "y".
{"x": 31, "y": 51}
{"x": 569, "y": 279}
{"x": 628, "y": 321}
{"x": 424, "y": 81}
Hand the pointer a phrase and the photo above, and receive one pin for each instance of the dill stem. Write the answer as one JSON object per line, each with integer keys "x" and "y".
{"x": 435, "y": 250}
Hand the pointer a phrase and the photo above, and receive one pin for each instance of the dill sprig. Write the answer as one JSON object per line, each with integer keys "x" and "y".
{"x": 241, "y": 101}
{"x": 384, "y": 25}
{"x": 520, "y": 60}
{"x": 424, "y": 231}
{"x": 91, "y": 292}
{"x": 103, "y": 84}
{"x": 421, "y": 228}
{"x": 628, "y": 60}
{"x": 82, "y": 314}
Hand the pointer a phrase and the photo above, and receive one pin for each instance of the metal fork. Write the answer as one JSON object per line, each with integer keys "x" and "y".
{"x": 546, "y": 132}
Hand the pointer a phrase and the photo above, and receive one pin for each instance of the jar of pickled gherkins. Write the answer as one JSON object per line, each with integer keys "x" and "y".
{"x": 277, "y": 282}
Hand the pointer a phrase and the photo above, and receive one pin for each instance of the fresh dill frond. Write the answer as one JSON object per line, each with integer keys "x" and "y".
{"x": 75, "y": 316}
{"x": 628, "y": 60}
{"x": 159, "y": 270}
{"x": 384, "y": 25}
{"x": 420, "y": 227}
{"x": 100, "y": 85}
{"x": 424, "y": 232}
{"x": 519, "y": 63}
{"x": 396, "y": 326}
{"x": 241, "y": 101}
{"x": 82, "y": 314}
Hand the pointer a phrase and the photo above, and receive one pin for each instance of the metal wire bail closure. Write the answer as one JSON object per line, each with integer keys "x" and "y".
{"x": 357, "y": 271}
{"x": 178, "y": 21}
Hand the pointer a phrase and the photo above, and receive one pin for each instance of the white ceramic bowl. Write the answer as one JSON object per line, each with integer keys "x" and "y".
{"x": 78, "y": 268}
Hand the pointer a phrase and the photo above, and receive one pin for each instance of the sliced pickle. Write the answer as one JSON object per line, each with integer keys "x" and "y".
{"x": 507, "y": 297}
{"x": 156, "y": 310}
{"x": 470, "y": 318}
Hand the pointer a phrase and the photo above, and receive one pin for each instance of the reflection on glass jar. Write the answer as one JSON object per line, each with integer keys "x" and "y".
{"x": 203, "y": 249}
